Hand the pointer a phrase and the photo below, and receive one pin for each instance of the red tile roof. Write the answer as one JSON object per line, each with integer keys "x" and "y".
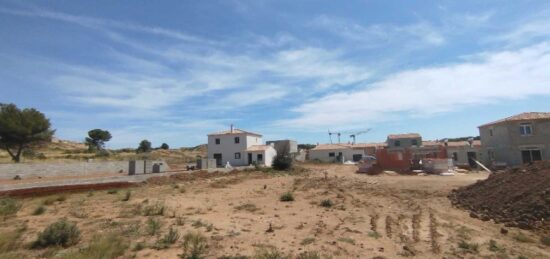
{"x": 521, "y": 117}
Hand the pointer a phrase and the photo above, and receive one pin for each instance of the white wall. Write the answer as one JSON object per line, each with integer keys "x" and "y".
{"x": 228, "y": 147}
{"x": 323, "y": 155}
{"x": 268, "y": 154}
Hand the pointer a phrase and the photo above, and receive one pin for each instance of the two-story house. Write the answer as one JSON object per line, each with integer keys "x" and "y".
{"x": 239, "y": 148}
{"x": 516, "y": 140}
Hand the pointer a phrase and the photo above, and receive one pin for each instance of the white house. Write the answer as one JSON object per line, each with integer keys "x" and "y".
{"x": 340, "y": 152}
{"x": 239, "y": 148}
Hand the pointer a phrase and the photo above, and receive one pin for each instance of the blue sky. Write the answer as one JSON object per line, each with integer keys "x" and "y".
{"x": 173, "y": 71}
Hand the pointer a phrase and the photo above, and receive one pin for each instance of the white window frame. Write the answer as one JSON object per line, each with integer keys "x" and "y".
{"x": 523, "y": 129}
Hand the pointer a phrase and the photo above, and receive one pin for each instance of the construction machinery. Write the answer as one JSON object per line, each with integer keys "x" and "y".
{"x": 357, "y": 134}
{"x": 334, "y": 133}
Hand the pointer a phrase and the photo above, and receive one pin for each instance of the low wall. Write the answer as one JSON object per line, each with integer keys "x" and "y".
{"x": 9, "y": 171}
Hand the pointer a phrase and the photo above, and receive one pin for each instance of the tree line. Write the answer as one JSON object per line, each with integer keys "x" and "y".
{"x": 22, "y": 129}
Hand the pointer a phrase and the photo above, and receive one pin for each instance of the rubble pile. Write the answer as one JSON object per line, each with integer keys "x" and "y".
{"x": 517, "y": 197}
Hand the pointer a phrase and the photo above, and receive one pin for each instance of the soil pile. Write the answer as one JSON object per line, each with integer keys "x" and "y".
{"x": 518, "y": 197}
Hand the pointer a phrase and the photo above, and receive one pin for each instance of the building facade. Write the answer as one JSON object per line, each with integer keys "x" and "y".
{"x": 516, "y": 140}
{"x": 239, "y": 148}
{"x": 336, "y": 153}
{"x": 285, "y": 146}
{"x": 464, "y": 153}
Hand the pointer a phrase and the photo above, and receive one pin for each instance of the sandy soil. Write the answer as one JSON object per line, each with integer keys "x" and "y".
{"x": 387, "y": 216}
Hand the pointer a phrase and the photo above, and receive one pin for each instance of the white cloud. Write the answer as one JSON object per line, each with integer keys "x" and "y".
{"x": 526, "y": 32}
{"x": 105, "y": 24}
{"x": 263, "y": 93}
{"x": 379, "y": 34}
{"x": 495, "y": 77}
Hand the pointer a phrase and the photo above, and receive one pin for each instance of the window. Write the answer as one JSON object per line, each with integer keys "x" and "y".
{"x": 455, "y": 156}
{"x": 237, "y": 155}
{"x": 331, "y": 154}
{"x": 414, "y": 142}
{"x": 237, "y": 140}
{"x": 260, "y": 157}
{"x": 529, "y": 156}
{"x": 491, "y": 154}
{"x": 491, "y": 132}
{"x": 217, "y": 141}
{"x": 526, "y": 129}
{"x": 397, "y": 143}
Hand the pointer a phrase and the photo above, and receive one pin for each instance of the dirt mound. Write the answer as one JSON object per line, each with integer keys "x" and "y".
{"x": 517, "y": 197}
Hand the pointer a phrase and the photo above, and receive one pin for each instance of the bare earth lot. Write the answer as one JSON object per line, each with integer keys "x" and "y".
{"x": 385, "y": 216}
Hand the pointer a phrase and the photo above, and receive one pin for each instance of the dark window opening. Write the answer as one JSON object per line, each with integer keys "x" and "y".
{"x": 217, "y": 141}
{"x": 491, "y": 132}
{"x": 237, "y": 155}
{"x": 529, "y": 156}
{"x": 526, "y": 129}
{"x": 414, "y": 142}
{"x": 237, "y": 140}
{"x": 397, "y": 143}
{"x": 331, "y": 154}
{"x": 455, "y": 156}
{"x": 260, "y": 157}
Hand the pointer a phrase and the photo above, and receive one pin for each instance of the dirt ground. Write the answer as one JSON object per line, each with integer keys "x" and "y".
{"x": 384, "y": 216}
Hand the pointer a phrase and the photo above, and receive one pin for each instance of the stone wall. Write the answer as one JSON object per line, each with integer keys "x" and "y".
{"x": 32, "y": 170}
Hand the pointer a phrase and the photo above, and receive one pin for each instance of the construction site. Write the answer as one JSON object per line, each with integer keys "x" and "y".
{"x": 315, "y": 210}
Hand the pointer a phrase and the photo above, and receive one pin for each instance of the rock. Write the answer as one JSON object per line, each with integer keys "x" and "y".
{"x": 474, "y": 215}
{"x": 503, "y": 231}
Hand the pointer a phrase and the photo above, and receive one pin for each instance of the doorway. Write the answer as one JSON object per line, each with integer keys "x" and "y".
{"x": 529, "y": 156}
{"x": 218, "y": 158}
{"x": 249, "y": 158}
{"x": 472, "y": 156}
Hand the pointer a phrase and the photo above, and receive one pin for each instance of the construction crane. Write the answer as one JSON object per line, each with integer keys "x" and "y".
{"x": 357, "y": 134}
{"x": 334, "y": 133}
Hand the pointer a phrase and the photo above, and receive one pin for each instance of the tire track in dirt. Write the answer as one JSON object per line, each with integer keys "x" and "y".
{"x": 434, "y": 235}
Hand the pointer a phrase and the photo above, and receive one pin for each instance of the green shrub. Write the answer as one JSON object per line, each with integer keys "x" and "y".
{"x": 269, "y": 253}
{"x": 127, "y": 196}
{"x": 494, "y": 247}
{"x": 468, "y": 247}
{"x": 311, "y": 255}
{"x": 326, "y": 203}
{"x": 153, "y": 226}
{"x": 139, "y": 246}
{"x": 347, "y": 240}
{"x": 61, "y": 233}
{"x": 520, "y": 237}
{"x": 282, "y": 162}
{"x": 287, "y": 196}
{"x": 39, "y": 210}
{"x": 9, "y": 207}
{"x": 545, "y": 240}
{"x": 113, "y": 191}
{"x": 111, "y": 245}
{"x": 307, "y": 241}
{"x": 194, "y": 246}
{"x": 102, "y": 153}
{"x": 9, "y": 240}
{"x": 156, "y": 209}
{"x": 374, "y": 234}
{"x": 169, "y": 238}
{"x": 52, "y": 199}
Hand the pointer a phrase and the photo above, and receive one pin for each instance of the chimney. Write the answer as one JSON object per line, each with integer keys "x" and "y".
{"x": 231, "y": 128}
